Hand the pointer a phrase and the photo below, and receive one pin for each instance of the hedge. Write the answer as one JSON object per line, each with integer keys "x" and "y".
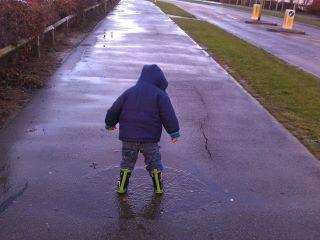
{"x": 28, "y": 18}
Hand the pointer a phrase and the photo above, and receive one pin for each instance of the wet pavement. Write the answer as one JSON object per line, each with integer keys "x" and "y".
{"x": 235, "y": 174}
{"x": 300, "y": 50}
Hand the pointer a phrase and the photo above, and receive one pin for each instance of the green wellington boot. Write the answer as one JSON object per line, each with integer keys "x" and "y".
{"x": 123, "y": 181}
{"x": 157, "y": 181}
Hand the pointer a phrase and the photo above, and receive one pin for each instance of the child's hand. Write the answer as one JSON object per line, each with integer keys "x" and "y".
{"x": 111, "y": 128}
{"x": 174, "y": 140}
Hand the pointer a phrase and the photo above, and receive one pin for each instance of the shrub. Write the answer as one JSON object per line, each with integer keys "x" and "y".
{"x": 28, "y": 18}
{"x": 19, "y": 20}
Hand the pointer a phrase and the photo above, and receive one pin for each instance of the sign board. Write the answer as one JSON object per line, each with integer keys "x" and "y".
{"x": 288, "y": 19}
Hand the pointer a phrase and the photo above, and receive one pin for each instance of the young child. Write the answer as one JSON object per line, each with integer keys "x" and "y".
{"x": 141, "y": 111}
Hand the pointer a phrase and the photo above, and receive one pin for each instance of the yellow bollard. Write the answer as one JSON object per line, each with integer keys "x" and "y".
{"x": 288, "y": 19}
{"x": 287, "y": 24}
{"x": 256, "y": 12}
{"x": 256, "y": 16}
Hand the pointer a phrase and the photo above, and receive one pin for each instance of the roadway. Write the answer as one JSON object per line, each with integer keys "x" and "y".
{"x": 302, "y": 51}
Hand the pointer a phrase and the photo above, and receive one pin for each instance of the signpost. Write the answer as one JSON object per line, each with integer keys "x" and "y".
{"x": 287, "y": 26}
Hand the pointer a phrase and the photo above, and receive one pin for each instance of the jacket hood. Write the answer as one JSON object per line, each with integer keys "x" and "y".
{"x": 154, "y": 75}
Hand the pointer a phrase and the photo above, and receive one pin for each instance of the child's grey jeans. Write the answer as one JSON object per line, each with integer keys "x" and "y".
{"x": 150, "y": 151}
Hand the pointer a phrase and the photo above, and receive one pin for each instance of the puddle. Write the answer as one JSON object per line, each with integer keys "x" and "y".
{"x": 140, "y": 211}
{"x": 125, "y": 25}
{"x": 183, "y": 191}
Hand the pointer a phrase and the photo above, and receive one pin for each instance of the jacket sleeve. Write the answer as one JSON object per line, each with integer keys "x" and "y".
{"x": 168, "y": 116}
{"x": 113, "y": 114}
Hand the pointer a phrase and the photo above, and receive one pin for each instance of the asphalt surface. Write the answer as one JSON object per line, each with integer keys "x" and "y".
{"x": 235, "y": 174}
{"x": 302, "y": 51}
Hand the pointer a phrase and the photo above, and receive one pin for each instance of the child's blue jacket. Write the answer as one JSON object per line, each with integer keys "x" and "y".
{"x": 143, "y": 109}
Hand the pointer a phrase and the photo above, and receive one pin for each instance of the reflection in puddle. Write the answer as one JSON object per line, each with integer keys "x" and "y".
{"x": 152, "y": 209}
{"x": 123, "y": 21}
{"x": 128, "y": 26}
{"x": 115, "y": 35}
{"x": 125, "y": 209}
{"x": 134, "y": 220}
{"x": 124, "y": 9}
{"x": 100, "y": 80}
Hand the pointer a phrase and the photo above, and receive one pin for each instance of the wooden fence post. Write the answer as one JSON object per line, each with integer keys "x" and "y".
{"x": 38, "y": 47}
{"x": 52, "y": 36}
{"x": 67, "y": 25}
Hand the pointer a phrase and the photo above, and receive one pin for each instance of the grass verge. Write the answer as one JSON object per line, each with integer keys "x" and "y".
{"x": 290, "y": 94}
{"x": 172, "y": 9}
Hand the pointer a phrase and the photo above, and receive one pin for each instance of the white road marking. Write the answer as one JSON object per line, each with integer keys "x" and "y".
{"x": 230, "y": 16}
